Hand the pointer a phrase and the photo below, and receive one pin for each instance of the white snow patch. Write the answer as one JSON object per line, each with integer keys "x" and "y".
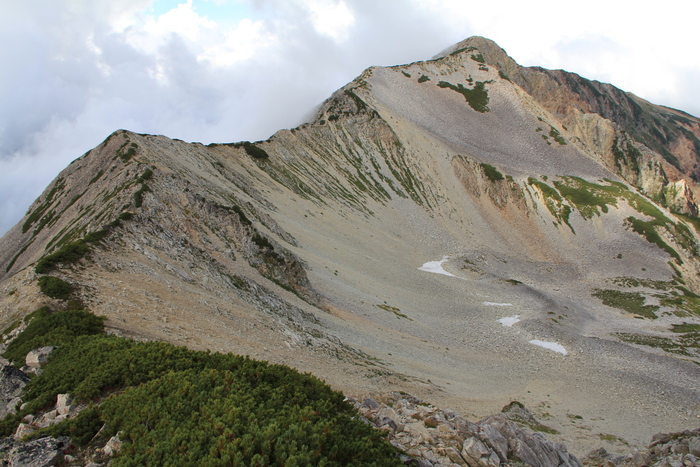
{"x": 508, "y": 321}
{"x": 497, "y": 304}
{"x": 550, "y": 345}
{"x": 436, "y": 267}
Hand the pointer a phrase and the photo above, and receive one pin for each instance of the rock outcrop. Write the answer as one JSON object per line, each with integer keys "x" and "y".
{"x": 435, "y": 437}
{"x": 42, "y": 452}
{"x": 12, "y": 381}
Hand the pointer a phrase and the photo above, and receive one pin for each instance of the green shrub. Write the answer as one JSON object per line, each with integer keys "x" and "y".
{"x": 261, "y": 241}
{"x": 491, "y": 172}
{"x": 556, "y": 135}
{"x": 138, "y": 195}
{"x": 176, "y": 406}
{"x": 94, "y": 237}
{"x": 224, "y": 418}
{"x": 146, "y": 175}
{"x": 68, "y": 254}
{"x": 54, "y": 287}
{"x": 423, "y": 79}
{"x": 254, "y": 151}
{"x": 48, "y": 328}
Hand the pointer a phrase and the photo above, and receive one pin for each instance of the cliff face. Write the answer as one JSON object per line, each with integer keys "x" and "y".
{"x": 650, "y": 146}
{"x": 553, "y": 203}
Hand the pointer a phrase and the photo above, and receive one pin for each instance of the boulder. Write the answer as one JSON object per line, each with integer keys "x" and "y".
{"x": 42, "y": 452}
{"x": 370, "y": 403}
{"x": 112, "y": 446}
{"x": 63, "y": 403}
{"x": 694, "y": 446}
{"x": 37, "y": 357}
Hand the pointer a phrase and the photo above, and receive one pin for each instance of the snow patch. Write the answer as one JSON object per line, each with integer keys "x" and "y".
{"x": 436, "y": 267}
{"x": 508, "y": 321}
{"x": 497, "y": 304}
{"x": 550, "y": 345}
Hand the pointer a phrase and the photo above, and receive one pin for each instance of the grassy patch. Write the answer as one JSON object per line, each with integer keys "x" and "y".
{"x": 648, "y": 283}
{"x": 631, "y": 302}
{"x": 682, "y": 304}
{"x": 685, "y": 327}
{"x": 423, "y": 79}
{"x": 587, "y": 197}
{"x": 406, "y": 74}
{"x": 556, "y": 136}
{"x": 393, "y": 309}
{"x": 478, "y": 58}
{"x": 477, "y": 98}
{"x": 666, "y": 344}
{"x": 647, "y": 230}
{"x": 554, "y": 202}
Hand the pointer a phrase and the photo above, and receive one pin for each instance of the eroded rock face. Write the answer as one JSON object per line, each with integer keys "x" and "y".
{"x": 437, "y": 437}
{"x": 42, "y": 452}
{"x": 12, "y": 381}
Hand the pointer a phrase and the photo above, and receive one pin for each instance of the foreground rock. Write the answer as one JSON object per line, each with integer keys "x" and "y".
{"x": 11, "y": 383}
{"x": 434, "y": 437}
{"x": 41, "y": 452}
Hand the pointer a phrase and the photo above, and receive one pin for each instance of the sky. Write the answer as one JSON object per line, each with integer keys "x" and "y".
{"x": 74, "y": 71}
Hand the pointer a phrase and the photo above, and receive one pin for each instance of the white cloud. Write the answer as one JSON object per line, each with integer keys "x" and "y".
{"x": 330, "y": 18}
{"x": 240, "y": 44}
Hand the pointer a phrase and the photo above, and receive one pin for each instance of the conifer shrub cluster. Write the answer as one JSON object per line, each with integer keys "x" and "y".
{"x": 67, "y": 254}
{"x": 253, "y": 151}
{"x": 54, "y": 287}
{"x": 175, "y": 406}
{"x": 491, "y": 172}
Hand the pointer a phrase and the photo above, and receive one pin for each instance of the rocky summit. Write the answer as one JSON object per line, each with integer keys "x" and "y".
{"x": 463, "y": 229}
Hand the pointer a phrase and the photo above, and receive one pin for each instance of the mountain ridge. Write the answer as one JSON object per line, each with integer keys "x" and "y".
{"x": 304, "y": 249}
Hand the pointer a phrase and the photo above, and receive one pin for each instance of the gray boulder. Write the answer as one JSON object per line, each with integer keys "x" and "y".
{"x": 42, "y": 452}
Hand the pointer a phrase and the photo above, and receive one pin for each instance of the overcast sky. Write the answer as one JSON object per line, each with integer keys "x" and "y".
{"x": 73, "y": 71}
